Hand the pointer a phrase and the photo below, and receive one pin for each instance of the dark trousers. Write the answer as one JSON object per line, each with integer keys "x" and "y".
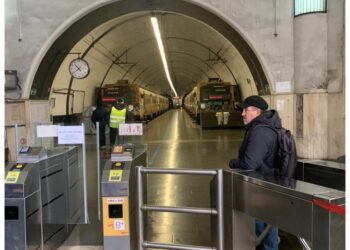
{"x": 271, "y": 240}
{"x": 113, "y": 136}
{"x": 102, "y": 130}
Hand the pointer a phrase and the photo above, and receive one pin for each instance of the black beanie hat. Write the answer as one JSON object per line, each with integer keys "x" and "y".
{"x": 255, "y": 101}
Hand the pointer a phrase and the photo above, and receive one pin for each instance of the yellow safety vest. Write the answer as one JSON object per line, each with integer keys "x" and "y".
{"x": 117, "y": 116}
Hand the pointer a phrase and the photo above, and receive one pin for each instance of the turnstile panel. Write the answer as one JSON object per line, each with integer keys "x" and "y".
{"x": 118, "y": 190}
{"x": 22, "y": 207}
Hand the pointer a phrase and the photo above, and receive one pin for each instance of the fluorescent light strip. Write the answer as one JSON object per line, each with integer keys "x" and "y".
{"x": 161, "y": 51}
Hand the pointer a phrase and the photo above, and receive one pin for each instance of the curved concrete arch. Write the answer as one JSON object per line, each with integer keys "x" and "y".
{"x": 49, "y": 58}
{"x": 192, "y": 65}
{"x": 148, "y": 78}
{"x": 208, "y": 48}
{"x": 196, "y": 57}
{"x": 150, "y": 69}
{"x": 142, "y": 42}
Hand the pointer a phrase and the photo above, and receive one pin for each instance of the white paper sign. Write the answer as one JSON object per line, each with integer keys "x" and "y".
{"x": 280, "y": 105}
{"x": 283, "y": 87}
{"x": 46, "y": 131}
{"x": 130, "y": 129}
{"x": 70, "y": 134}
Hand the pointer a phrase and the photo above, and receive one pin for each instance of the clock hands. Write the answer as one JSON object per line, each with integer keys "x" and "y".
{"x": 77, "y": 68}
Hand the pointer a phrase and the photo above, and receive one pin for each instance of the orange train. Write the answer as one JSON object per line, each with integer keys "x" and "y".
{"x": 209, "y": 101}
{"x": 144, "y": 104}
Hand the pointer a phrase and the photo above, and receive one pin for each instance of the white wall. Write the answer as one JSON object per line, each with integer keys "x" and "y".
{"x": 310, "y": 52}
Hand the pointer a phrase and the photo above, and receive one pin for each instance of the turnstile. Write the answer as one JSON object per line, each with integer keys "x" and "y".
{"x": 324, "y": 173}
{"x": 22, "y": 206}
{"x": 46, "y": 184}
{"x": 118, "y": 191}
{"x": 312, "y": 212}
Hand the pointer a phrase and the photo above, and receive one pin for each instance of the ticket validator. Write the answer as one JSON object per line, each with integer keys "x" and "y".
{"x": 118, "y": 192}
{"x": 22, "y": 206}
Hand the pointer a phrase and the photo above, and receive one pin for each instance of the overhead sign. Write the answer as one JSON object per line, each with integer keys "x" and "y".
{"x": 130, "y": 129}
{"x": 70, "y": 134}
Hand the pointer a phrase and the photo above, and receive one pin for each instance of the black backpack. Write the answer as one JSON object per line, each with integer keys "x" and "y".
{"x": 286, "y": 158}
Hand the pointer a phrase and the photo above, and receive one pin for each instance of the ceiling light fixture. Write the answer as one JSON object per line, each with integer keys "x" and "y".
{"x": 161, "y": 51}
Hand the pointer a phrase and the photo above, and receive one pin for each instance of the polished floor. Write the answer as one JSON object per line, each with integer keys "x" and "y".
{"x": 174, "y": 141}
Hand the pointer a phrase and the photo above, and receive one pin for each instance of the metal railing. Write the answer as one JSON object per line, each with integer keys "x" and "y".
{"x": 141, "y": 207}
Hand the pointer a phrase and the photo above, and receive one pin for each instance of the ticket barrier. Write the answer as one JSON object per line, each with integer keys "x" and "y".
{"x": 44, "y": 184}
{"x": 324, "y": 173}
{"x": 312, "y": 212}
{"x": 118, "y": 193}
{"x": 22, "y": 206}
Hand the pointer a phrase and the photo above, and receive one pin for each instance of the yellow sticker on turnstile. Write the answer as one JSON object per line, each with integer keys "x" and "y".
{"x": 115, "y": 175}
{"x": 12, "y": 177}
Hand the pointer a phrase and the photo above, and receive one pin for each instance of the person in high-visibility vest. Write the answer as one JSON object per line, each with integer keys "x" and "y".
{"x": 117, "y": 116}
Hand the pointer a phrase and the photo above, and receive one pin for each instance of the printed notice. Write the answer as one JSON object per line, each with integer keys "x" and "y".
{"x": 46, "y": 131}
{"x": 130, "y": 129}
{"x": 70, "y": 134}
{"x": 283, "y": 87}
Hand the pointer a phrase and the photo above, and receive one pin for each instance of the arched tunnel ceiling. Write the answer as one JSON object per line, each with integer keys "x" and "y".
{"x": 127, "y": 45}
{"x": 189, "y": 46}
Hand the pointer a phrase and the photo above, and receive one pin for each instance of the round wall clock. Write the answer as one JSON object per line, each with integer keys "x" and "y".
{"x": 79, "y": 68}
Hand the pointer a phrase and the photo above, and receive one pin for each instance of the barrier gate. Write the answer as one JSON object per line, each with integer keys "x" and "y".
{"x": 218, "y": 212}
{"x": 312, "y": 212}
{"x": 315, "y": 214}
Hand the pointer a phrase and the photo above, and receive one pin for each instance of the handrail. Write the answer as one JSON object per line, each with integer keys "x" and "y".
{"x": 98, "y": 171}
{"x": 180, "y": 209}
{"x": 178, "y": 171}
{"x": 304, "y": 243}
{"x": 149, "y": 244}
{"x": 144, "y": 207}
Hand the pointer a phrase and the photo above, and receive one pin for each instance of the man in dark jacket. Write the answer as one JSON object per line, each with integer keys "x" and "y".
{"x": 259, "y": 149}
{"x": 100, "y": 114}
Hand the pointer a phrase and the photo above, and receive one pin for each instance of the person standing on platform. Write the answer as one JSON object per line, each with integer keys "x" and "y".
{"x": 100, "y": 114}
{"x": 258, "y": 150}
{"x": 117, "y": 116}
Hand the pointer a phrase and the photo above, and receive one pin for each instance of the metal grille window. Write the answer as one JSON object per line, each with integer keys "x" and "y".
{"x": 309, "y": 6}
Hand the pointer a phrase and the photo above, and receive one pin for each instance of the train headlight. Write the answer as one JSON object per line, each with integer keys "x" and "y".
{"x": 131, "y": 107}
{"x": 202, "y": 105}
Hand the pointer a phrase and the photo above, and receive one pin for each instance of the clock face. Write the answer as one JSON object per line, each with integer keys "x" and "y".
{"x": 79, "y": 68}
